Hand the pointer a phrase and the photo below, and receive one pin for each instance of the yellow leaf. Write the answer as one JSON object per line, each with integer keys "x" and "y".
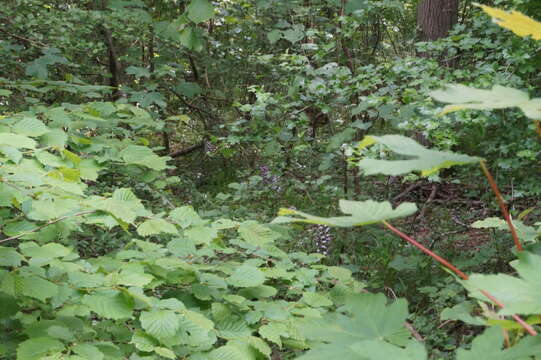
{"x": 515, "y": 21}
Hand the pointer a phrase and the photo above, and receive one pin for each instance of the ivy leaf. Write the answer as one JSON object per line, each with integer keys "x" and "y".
{"x": 246, "y": 276}
{"x": 200, "y": 11}
{"x": 156, "y": 226}
{"x": 162, "y": 324}
{"x": 110, "y": 304}
{"x": 515, "y": 21}
{"x": 361, "y": 213}
{"x": 424, "y": 160}
{"x": 37, "y": 348}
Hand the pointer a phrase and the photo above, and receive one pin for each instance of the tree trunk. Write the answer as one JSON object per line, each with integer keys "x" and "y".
{"x": 436, "y": 17}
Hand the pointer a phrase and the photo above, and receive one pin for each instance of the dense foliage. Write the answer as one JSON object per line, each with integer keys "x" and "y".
{"x": 147, "y": 146}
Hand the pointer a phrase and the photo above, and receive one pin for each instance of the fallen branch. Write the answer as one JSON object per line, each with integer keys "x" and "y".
{"x": 187, "y": 150}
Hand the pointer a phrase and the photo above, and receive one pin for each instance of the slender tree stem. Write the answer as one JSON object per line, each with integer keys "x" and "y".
{"x": 460, "y": 274}
{"x": 501, "y": 202}
{"x": 50, "y": 222}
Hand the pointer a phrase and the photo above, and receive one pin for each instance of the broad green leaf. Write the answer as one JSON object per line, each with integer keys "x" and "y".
{"x": 518, "y": 295}
{"x": 360, "y": 213}
{"x": 10, "y": 257}
{"x": 515, "y": 21}
{"x": 525, "y": 233}
{"x": 143, "y": 341}
{"x": 110, "y": 304}
{"x": 378, "y": 350}
{"x": 256, "y": 234}
{"x": 274, "y": 331}
{"x": 37, "y": 348}
{"x": 200, "y": 10}
{"x": 188, "y": 89}
{"x": 54, "y": 137}
{"x": 162, "y": 324}
{"x": 17, "y": 141}
{"x": 424, "y": 160}
{"x": 489, "y": 346}
{"x": 274, "y": 36}
{"x": 315, "y": 300}
{"x": 336, "y": 335}
{"x": 123, "y": 205}
{"x": 88, "y": 352}
{"x": 141, "y": 155}
{"x": 201, "y": 234}
{"x": 246, "y": 276}
{"x": 36, "y": 287}
{"x": 8, "y": 306}
{"x": 185, "y": 216}
{"x": 192, "y": 38}
{"x": 30, "y": 127}
{"x": 156, "y": 226}
{"x": 11, "y": 153}
{"x": 165, "y": 352}
{"x": 464, "y": 97}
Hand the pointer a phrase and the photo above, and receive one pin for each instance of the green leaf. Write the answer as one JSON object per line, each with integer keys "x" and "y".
{"x": 185, "y": 216}
{"x": 274, "y": 331}
{"x": 141, "y": 155}
{"x": 143, "y": 341}
{"x": 191, "y": 38}
{"x": 17, "y": 141}
{"x": 110, "y": 304}
{"x": 162, "y": 324}
{"x": 188, "y": 89}
{"x": 88, "y": 352}
{"x": 377, "y": 350}
{"x": 37, "y": 348}
{"x": 200, "y": 11}
{"x": 525, "y": 233}
{"x": 201, "y": 234}
{"x": 464, "y": 97}
{"x": 370, "y": 318}
{"x": 518, "y": 295}
{"x": 256, "y": 234}
{"x": 424, "y": 160}
{"x": 156, "y": 226}
{"x": 165, "y": 352}
{"x": 354, "y": 5}
{"x": 30, "y": 127}
{"x": 274, "y": 36}
{"x": 10, "y": 257}
{"x": 316, "y": 300}
{"x": 123, "y": 205}
{"x": 361, "y": 213}
{"x": 500, "y": 97}
{"x": 246, "y": 276}
{"x": 36, "y": 287}
{"x": 11, "y": 153}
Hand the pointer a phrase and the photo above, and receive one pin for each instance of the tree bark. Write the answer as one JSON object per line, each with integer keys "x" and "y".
{"x": 436, "y": 17}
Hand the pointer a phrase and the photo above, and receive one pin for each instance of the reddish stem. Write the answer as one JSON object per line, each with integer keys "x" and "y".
{"x": 501, "y": 202}
{"x": 538, "y": 127}
{"x": 453, "y": 268}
